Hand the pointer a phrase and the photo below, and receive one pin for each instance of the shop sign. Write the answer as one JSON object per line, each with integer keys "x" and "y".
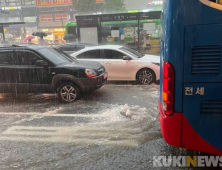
{"x": 87, "y": 21}
{"x": 155, "y": 3}
{"x": 52, "y": 2}
{"x": 58, "y": 30}
{"x": 52, "y": 9}
{"x": 150, "y": 15}
{"x": 129, "y": 34}
{"x": 119, "y": 17}
{"x": 45, "y": 30}
{"x": 99, "y": 1}
{"x": 11, "y": 8}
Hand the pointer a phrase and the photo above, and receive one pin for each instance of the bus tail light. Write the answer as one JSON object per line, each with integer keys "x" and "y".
{"x": 168, "y": 88}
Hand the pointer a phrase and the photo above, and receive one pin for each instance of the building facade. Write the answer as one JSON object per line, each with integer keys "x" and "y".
{"x": 19, "y": 10}
{"x": 49, "y": 16}
{"x": 53, "y": 16}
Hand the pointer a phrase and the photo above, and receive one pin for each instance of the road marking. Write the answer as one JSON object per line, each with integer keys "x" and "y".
{"x": 111, "y": 135}
{"x": 50, "y": 114}
{"x": 125, "y": 143}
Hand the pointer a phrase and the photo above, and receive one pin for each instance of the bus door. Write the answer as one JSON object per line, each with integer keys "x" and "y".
{"x": 202, "y": 99}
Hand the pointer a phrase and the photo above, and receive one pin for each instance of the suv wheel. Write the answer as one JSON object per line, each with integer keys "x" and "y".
{"x": 68, "y": 93}
{"x": 146, "y": 77}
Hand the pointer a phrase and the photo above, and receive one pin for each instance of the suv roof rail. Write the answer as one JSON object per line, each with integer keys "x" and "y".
{"x": 4, "y": 45}
{"x": 14, "y": 45}
{"x": 11, "y": 45}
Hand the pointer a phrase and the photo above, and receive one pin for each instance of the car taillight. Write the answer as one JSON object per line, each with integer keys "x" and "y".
{"x": 168, "y": 88}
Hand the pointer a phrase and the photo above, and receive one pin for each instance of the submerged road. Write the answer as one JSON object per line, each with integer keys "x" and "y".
{"x": 38, "y": 132}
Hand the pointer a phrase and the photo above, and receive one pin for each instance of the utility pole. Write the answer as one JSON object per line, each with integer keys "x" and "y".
{"x": 2, "y": 30}
{"x": 2, "y": 26}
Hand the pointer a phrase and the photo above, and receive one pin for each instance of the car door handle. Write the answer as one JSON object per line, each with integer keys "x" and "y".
{"x": 107, "y": 63}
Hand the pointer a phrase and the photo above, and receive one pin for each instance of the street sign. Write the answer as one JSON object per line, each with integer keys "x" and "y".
{"x": 87, "y": 21}
{"x": 150, "y": 15}
{"x": 119, "y": 17}
{"x": 131, "y": 16}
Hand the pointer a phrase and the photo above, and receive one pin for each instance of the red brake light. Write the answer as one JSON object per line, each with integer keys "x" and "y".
{"x": 168, "y": 88}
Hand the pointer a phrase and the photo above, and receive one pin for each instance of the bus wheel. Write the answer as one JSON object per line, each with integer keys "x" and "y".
{"x": 146, "y": 76}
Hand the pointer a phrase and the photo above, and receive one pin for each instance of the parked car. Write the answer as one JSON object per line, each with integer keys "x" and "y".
{"x": 123, "y": 64}
{"x": 73, "y": 47}
{"x": 38, "y": 69}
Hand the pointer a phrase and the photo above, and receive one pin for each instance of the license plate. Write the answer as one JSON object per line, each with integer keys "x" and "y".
{"x": 105, "y": 76}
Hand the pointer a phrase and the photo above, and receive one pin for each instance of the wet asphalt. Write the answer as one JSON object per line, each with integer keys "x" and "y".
{"x": 38, "y": 132}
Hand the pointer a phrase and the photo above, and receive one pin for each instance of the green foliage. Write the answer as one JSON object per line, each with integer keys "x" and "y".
{"x": 89, "y": 6}
{"x": 114, "y": 6}
{"x": 85, "y": 6}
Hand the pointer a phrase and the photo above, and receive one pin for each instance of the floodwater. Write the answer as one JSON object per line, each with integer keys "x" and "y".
{"x": 115, "y": 127}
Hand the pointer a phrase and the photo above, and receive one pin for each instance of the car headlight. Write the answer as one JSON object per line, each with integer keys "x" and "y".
{"x": 158, "y": 64}
{"x": 90, "y": 73}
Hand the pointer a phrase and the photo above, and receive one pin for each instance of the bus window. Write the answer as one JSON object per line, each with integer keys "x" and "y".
{"x": 216, "y": 1}
{"x": 217, "y": 4}
{"x": 72, "y": 30}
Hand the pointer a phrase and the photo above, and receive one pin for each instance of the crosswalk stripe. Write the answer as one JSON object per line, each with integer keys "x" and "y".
{"x": 77, "y": 128}
{"x": 50, "y": 114}
{"x": 78, "y": 135}
{"x": 128, "y": 143}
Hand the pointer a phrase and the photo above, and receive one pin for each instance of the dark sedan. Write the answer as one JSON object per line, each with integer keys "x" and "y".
{"x": 70, "y": 48}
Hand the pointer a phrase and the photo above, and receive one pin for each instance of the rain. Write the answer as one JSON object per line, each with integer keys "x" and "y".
{"x": 110, "y": 84}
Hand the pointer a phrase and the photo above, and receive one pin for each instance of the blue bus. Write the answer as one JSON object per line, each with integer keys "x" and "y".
{"x": 190, "y": 103}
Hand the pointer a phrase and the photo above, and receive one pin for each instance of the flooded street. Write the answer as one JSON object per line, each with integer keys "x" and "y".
{"x": 115, "y": 127}
{"x": 110, "y": 85}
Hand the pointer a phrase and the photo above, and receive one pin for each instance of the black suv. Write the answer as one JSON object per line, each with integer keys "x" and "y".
{"x": 38, "y": 69}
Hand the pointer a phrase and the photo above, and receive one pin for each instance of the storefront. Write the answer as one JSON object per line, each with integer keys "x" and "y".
{"x": 52, "y": 20}
{"x": 55, "y": 35}
{"x": 6, "y": 30}
{"x": 19, "y": 14}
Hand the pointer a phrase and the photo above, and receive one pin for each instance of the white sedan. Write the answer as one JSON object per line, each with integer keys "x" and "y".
{"x": 123, "y": 64}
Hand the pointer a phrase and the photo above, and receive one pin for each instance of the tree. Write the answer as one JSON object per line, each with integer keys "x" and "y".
{"x": 112, "y": 6}
{"x": 85, "y": 6}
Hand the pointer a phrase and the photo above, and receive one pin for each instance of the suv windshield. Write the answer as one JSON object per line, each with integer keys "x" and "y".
{"x": 73, "y": 59}
{"x": 132, "y": 52}
{"x": 56, "y": 56}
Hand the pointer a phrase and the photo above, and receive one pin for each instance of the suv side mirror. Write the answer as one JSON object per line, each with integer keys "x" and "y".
{"x": 127, "y": 58}
{"x": 41, "y": 63}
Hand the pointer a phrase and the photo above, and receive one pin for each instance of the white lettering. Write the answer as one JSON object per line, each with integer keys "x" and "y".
{"x": 220, "y": 160}
{"x": 213, "y": 161}
{"x": 157, "y": 161}
{"x": 167, "y": 162}
{"x": 201, "y": 161}
{"x": 177, "y": 161}
{"x": 184, "y": 161}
